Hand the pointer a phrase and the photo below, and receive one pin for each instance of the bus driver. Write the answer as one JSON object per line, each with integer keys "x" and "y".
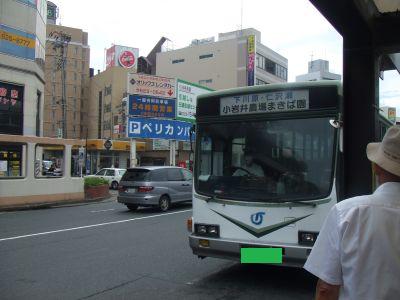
{"x": 250, "y": 168}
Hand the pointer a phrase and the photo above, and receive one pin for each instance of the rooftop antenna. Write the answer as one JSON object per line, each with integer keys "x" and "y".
{"x": 241, "y": 17}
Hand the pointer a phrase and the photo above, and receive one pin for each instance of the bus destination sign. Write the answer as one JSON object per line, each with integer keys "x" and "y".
{"x": 278, "y": 101}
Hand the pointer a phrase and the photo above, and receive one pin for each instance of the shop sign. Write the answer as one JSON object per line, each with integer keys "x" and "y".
{"x": 158, "y": 129}
{"x": 156, "y": 86}
{"x": 122, "y": 56}
{"x": 18, "y": 43}
{"x": 186, "y": 95}
{"x": 251, "y": 56}
{"x": 148, "y": 106}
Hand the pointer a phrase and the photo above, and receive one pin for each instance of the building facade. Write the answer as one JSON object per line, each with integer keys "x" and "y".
{"x": 22, "y": 40}
{"x": 67, "y": 82}
{"x": 318, "y": 70}
{"x": 237, "y": 59}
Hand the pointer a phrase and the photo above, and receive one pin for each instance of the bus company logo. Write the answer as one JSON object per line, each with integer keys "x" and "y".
{"x": 127, "y": 59}
{"x": 257, "y": 218}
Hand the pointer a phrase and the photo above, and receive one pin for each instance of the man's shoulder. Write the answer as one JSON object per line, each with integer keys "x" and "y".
{"x": 353, "y": 202}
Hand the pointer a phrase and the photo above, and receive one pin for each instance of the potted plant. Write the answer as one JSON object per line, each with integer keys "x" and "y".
{"x": 96, "y": 188}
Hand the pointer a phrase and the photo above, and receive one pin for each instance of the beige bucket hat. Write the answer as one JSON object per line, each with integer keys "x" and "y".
{"x": 387, "y": 153}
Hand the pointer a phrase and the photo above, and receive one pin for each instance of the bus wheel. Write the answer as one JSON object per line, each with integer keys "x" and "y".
{"x": 164, "y": 203}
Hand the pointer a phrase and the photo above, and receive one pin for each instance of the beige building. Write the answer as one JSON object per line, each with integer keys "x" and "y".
{"x": 22, "y": 39}
{"x": 232, "y": 61}
{"x": 72, "y": 45}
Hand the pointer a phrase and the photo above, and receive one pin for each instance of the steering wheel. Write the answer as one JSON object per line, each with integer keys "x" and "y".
{"x": 248, "y": 174}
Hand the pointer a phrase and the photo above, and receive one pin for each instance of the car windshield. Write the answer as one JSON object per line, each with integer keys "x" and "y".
{"x": 266, "y": 161}
{"x": 136, "y": 175}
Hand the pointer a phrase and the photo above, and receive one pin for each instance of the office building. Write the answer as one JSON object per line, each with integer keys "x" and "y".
{"x": 237, "y": 59}
{"x": 318, "y": 70}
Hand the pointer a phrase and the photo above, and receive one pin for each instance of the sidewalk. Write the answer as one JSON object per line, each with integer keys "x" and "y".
{"x": 45, "y": 205}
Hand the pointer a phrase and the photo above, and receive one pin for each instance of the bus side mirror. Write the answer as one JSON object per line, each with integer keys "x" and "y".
{"x": 338, "y": 125}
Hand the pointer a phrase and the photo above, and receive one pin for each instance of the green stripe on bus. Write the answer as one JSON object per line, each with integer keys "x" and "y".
{"x": 261, "y": 255}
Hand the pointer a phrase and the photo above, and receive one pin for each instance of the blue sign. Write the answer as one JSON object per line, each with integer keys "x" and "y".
{"x": 149, "y": 106}
{"x": 158, "y": 129}
{"x": 17, "y": 43}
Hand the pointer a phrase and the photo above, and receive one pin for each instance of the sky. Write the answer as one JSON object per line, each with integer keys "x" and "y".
{"x": 293, "y": 28}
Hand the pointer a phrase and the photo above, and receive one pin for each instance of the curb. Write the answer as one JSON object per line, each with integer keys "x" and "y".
{"x": 59, "y": 204}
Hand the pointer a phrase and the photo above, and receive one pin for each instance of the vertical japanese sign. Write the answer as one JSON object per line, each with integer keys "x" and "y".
{"x": 251, "y": 57}
{"x": 158, "y": 129}
{"x": 148, "y": 106}
{"x": 186, "y": 93}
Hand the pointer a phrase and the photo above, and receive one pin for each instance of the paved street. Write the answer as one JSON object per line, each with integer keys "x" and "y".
{"x": 103, "y": 251}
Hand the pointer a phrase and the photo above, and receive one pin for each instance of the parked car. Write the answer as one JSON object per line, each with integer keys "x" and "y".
{"x": 112, "y": 175}
{"x": 155, "y": 186}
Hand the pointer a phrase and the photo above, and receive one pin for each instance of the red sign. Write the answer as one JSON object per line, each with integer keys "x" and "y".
{"x": 110, "y": 57}
{"x": 182, "y": 164}
{"x": 126, "y": 59}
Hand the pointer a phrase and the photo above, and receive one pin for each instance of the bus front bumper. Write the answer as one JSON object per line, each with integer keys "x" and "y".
{"x": 292, "y": 255}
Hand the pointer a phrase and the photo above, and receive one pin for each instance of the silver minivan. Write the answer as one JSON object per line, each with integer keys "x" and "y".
{"x": 155, "y": 186}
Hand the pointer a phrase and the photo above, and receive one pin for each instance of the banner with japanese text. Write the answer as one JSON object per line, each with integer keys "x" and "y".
{"x": 150, "y": 85}
{"x": 147, "y": 128}
{"x": 149, "y": 106}
{"x": 186, "y": 94}
{"x": 280, "y": 101}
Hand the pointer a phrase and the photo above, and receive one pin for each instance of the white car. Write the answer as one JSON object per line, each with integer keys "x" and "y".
{"x": 112, "y": 175}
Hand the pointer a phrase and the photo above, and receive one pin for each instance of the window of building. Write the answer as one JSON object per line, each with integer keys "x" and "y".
{"x": 74, "y": 116}
{"x": 205, "y": 81}
{"x": 206, "y": 56}
{"x": 75, "y": 63}
{"x": 53, "y": 115}
{"x": 260, "y": 82}
{"x": 177, "y": 61}
{"x": 74, "y": 103}
{"x": 75, "y": 76}
{"x": 49, "y": 160}
{"x": 11, "y": 108}
{"x": 11, "y": 160}
{"x": 76, "y": 50}
{"x": 75, "y": 89}
{"x": 100, "y": 115}
{"x": 271, "y": 67}
{"x": 83, "y": 65}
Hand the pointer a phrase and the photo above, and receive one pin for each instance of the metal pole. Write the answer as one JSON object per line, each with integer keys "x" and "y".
{"x": 63, "y": 100}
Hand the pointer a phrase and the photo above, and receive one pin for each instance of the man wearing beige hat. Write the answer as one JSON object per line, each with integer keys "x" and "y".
{"x": 357, "y": 253}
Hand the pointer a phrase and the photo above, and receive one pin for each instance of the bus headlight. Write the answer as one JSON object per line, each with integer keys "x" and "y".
{"x": 206, "y": 230}
{"x": 307, "y": 237}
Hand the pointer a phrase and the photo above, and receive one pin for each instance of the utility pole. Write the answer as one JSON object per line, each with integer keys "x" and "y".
{"x": 61, "y": 41}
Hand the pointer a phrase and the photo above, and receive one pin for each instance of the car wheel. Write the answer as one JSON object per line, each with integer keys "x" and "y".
{"x": 164, "y": 203}
{"x": 114, "y": 185}
{"x": 132, "y": 207}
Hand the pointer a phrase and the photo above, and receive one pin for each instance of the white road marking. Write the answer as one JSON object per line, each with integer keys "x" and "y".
{"x": 95, "y": 211}
{"x": 90, "y": 226}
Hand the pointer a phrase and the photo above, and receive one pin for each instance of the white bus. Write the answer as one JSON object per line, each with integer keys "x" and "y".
{"x": 280, "y": 196}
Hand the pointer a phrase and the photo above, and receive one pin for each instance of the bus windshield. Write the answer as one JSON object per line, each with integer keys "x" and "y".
{"x": 265, "y": 161}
